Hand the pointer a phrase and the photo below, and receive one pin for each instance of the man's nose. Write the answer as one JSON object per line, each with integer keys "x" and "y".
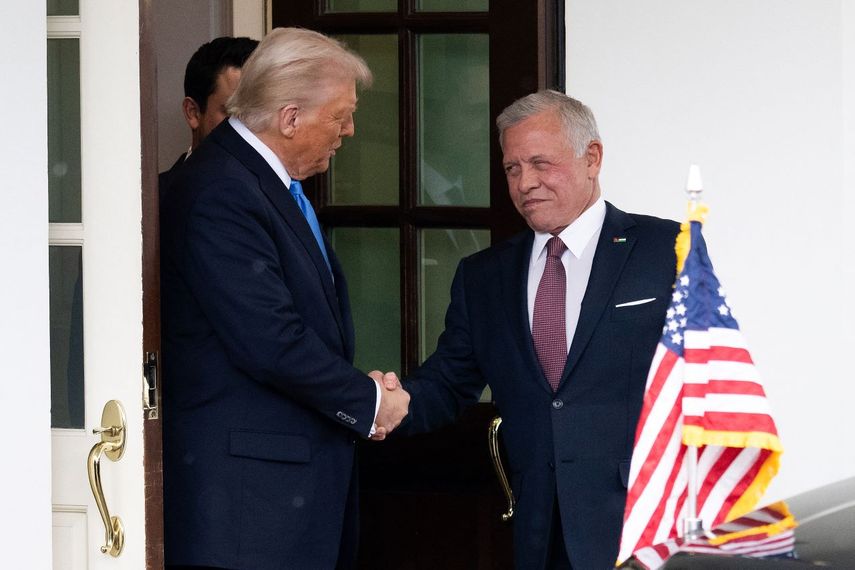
{"x": 528, "y": 179}
{"x": 348, "y": 128}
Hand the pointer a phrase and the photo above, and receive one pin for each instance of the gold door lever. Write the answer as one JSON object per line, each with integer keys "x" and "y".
{"x": 493, "y": 441}
{"x": 112, "y": 444}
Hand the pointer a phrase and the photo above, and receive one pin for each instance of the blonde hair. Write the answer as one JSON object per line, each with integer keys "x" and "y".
{"x": 576, "y": 118}
{"x": 291, "y": 66}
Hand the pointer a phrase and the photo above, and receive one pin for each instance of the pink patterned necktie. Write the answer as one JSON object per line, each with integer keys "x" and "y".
{"x": 548, "y": 327}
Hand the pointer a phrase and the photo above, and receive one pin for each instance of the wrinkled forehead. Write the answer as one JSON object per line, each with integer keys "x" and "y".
{"x": 335, "y": 91}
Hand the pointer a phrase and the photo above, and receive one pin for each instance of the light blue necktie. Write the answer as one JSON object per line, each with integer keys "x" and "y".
{"x": 309, "y": 213}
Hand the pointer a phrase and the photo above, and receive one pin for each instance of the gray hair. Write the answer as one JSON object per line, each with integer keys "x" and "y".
{"x": 291, "y": 66}
{"x": 576, "y": 118}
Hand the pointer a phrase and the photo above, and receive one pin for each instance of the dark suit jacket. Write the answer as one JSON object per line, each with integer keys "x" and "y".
{"x": 261, "y": 405}
{"x": 574, "y": 444}
{"x": 164, "y": 179}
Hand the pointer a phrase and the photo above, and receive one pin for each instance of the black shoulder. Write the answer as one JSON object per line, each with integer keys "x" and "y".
{"x": 490, "y": 254}
{"x": 656, "y": 225}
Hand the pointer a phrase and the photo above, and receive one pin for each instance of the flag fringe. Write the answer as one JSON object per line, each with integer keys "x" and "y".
{"x": 769, "y": 530}
{"x": 697, "y": 213}
{"x": 749, "y": 499}
{"x": 699, "y": 437}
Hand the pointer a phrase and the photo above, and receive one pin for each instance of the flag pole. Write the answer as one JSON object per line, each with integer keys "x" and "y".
{"x": 693, "y": 526}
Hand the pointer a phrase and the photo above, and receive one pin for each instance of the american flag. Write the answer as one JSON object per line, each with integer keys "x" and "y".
{"x": 764, "y": 533}
{"x": 702, "y": 390}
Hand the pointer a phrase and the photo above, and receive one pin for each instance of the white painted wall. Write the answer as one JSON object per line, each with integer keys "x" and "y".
{"x": 250, "y": 17}
{"x": 25, "y": 529}
{"x": 179, "y": 29}
{"x": 761, "y": 94}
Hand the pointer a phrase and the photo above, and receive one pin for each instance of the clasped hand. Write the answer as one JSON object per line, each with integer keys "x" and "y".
{"x": 394, "y": 404}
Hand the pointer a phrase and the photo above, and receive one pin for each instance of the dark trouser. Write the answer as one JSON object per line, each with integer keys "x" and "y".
{"x": 556, "y": 553}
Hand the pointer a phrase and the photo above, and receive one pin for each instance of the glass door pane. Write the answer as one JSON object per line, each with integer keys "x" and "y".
{"x": 365, "y": 171}
{"x": 452, "y": 5}
{"x": 370, "y": 258}
{"x": 454, "y": 120}
{"x": 361, "y": 6}
{"x": 63, "y": 7}
{"x": 63, "y": 64}
{"x": 440, "y": 250}
{"x": 66, "y": 337}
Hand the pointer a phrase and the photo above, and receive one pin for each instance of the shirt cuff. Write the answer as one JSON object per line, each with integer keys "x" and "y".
{"x": 376, "y": 407}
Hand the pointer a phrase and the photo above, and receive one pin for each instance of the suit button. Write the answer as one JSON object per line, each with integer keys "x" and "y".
{"x": 551, "y": 465}
{"x": 557, "y": 403}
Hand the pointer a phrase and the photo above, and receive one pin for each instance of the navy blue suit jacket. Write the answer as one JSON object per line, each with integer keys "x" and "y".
{"x": 165, "y": 178}
{"x": 573, "y": 446}
{"x": 261, "y": 404}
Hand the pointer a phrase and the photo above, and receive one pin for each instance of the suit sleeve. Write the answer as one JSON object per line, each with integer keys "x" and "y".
{"x": 450, "y": 380}
{"x": 232, "y": 265}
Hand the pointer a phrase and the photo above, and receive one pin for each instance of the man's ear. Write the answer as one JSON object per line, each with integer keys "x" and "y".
{"x": 594, "y": 158}
{"x": 289, "y": 120}
{"x": 192, "y": 113}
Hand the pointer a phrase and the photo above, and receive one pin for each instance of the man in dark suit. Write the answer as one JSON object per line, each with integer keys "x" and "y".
{"x": 211, "y": 76}
{"x": 561, "y": 322}
{"x": 262, "y": 406}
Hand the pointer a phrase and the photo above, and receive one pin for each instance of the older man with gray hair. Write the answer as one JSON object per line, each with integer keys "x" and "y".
{"x": 561, "y": 321}
{"x": 262, "y": 405}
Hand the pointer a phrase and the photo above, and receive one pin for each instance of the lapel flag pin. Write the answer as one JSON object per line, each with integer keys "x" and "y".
{"x": 618, "y": 240}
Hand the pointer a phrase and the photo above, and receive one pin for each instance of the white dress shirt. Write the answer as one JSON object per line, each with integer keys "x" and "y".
{"x": 581, "y": 238}
{"x": 270, "y": 158}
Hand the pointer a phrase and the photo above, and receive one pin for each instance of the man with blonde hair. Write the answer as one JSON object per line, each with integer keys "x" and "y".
{"x": 262, "y": 405}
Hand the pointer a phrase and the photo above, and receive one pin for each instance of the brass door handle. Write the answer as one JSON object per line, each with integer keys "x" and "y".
{"x": 493, "y": 439}
{"x": 112, "y": 444}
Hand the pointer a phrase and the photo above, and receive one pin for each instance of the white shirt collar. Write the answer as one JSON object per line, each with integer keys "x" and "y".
{"x": 577, "y": 235}
{"x": 265, "y": 151}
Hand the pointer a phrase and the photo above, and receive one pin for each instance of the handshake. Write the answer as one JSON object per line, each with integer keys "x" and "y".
{"x": 394, "y": 404}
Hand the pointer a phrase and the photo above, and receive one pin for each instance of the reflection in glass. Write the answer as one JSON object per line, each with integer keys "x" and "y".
{"x": 63, "y": 7}
{"x": 452, "y": 5}
{"x": 365, "y": 170}
{"x": 362, "y": 6}
{"x": 454, "y": 120}
{"x": 370, "y": 258}
{"x": 63, "y": 66}
{"x": 66, "y": 337}
{"x": 439, "y": 251}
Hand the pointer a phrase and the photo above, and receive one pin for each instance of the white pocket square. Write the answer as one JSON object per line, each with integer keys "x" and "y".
{"x": 633, "y": 303}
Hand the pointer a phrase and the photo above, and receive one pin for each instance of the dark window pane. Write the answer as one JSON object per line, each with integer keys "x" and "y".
{"x": 370, "y": 257}
{"x": 66, "y": 337}
{"x": 63, "y": 65}
{"x": 454, "y": 120}
{"x": 452, "y": 5}
{"x": 439, "y": 252}
{"x": 63, "y": 7}
{"x": 362, "y": 5}
{"x": 365, "y": 170}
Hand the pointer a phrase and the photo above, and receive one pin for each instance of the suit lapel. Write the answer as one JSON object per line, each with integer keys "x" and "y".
{"x": 515, "y": 262}
{"x": 609, "y": 260}
{"x": 346, "y": 320}
{"x": 281, "y": 199}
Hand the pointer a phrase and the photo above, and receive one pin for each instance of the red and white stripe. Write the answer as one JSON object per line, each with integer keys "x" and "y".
{"x": 756, "y": 545}
{"x": 714, "y": 387}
